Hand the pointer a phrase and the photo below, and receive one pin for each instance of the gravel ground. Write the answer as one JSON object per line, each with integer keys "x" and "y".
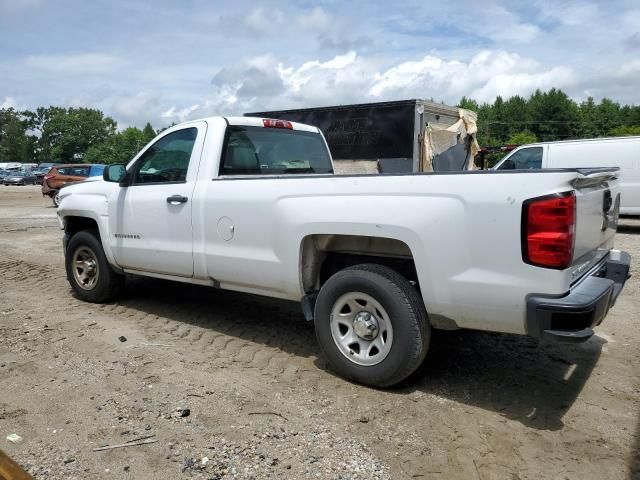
{"x": 224, "y": 385}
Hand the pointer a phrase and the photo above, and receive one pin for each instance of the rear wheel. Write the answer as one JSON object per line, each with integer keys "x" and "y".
{"x": 55, "y": 198}
{"x": 88, "y": 271}
{"x": 371, "y": 325}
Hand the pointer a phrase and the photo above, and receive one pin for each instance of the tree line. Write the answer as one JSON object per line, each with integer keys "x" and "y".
{"x": 550, "y": 116}
{"x": 67, "y": 135}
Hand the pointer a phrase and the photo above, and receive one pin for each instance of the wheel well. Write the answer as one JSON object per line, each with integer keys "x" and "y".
{"x": 74, "y": 225}
{"x": 321, "y": 256}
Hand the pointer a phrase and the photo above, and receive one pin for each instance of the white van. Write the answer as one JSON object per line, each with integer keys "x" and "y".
{"x": 623, "y": 152}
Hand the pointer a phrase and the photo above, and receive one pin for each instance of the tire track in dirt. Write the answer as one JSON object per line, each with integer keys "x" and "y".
{"x": 224, "y": 328}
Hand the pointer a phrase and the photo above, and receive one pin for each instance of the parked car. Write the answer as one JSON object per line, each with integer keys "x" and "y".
{"x": 40, "y": 175}
{"x": 376, "y": 261}
{"x": 20, "y": 177}
{"x": 3, "y": 173}
{"x": 10, "y": 165}
{"x": 61, "y": 175}
{"x": 41, "y": 170}
{"x": 622, "y": 152}
{"x": 45, "y": 166}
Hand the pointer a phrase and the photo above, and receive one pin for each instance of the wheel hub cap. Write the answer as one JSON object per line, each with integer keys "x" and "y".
{"x": 85, "y": 268}
{"x": 365, "y": 326}
{"x": 361, "y": 328}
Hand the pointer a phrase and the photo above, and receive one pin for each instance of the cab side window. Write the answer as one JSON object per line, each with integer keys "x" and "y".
{"x": 525, "y": 159}
{"x": 167, "y": 160}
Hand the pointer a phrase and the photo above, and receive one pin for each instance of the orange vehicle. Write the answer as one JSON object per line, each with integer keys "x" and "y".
{"x": 61, "y": 175}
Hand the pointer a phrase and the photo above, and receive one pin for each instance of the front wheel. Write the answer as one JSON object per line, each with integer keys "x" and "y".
{"x": 55, "y": 198}
{"x": 371, "y": 325}
{"x": 88, "y": 271}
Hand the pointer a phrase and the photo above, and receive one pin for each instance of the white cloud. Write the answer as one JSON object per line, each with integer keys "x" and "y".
{"x": 263, "y": 20}
{"x": 501, "y": 25}
{"x": 180, "y": 114}
{"x": 271, "y": 21}
{"x": 315, "y": 20}
{"x": 351, "y": 78}
{"x": 510, "y": 84}
{"x": 278, "y": 55}
{"x": 135, "y": 109}
{"x": 8, "y": 102}
{"x": 74, "y": 64}
{"x": 570, "y": 13}
{"x": 487, "y": 75}
{"x": 410, "y": 75}
{"x": 265, "y": 83}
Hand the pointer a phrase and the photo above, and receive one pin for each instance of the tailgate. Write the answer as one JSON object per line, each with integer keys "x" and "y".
{"x": 597, "y": 207}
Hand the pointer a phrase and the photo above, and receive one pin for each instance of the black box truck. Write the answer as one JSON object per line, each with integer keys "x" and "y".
{"x": 399, "y": 136}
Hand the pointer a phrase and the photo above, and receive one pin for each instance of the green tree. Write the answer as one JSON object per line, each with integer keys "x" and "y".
{"x": 625, "y": 131}
{"x": 630, "y": 115}
{"x": 15, "y": 143}
{"x": 469, "y": 104}
{"x": 515, "y": 115}
{"x": 68, "y": 133}
{"x": 522, "y": 138}
{"x": 118, "y": 148}
{"x": 588, "y": 119}
{"x": 554, "y": 116}
{"x": 607, "y": 116}
{"x": 148, "y": 133}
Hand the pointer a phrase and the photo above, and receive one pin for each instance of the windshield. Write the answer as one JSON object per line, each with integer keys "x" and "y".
{"x": 524, "y": 159}
{"x": 265, "y": 151}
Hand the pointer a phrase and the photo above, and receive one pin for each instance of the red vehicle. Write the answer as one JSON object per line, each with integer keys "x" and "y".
{"x": 61, "y": 175}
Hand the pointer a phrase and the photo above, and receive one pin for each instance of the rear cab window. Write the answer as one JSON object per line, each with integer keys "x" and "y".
{"x": 250, "y": 150}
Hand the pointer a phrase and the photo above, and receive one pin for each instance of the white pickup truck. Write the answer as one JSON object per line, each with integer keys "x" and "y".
{"x": 252, "y": 205}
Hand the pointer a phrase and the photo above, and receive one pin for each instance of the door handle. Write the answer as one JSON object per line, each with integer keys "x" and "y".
{"x": 176, "y": 199}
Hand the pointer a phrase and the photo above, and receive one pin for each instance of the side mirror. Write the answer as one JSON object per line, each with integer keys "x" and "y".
{"x": 114, "y": 173}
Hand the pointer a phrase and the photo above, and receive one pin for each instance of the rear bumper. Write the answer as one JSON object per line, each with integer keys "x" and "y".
{"x": 571, "y": 317}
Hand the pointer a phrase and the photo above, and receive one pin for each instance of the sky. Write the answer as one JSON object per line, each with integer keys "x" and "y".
{"x": 165, "y": 62}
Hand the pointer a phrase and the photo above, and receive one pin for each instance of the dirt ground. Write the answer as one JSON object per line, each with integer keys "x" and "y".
{"x": 263, "y": 404}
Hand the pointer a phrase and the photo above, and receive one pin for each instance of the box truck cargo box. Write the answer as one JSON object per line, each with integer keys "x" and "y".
{"x": 391, "y": 137}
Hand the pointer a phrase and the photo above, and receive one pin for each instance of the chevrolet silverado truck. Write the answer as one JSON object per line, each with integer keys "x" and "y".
{"x": 377, "y": 261}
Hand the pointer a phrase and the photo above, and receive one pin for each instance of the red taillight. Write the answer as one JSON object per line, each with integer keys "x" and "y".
{"x": 273, "y": 123}
{"x": 548, "y": 227}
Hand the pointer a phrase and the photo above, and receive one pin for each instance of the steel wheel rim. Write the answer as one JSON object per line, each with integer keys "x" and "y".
{"x": 56, "y": 199}
{"x": 85, "y": 268}
{"x": 345, "y": 319}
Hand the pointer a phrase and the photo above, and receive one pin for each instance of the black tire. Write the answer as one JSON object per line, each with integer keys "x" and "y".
{"x": 108, "y": 283}
{"x": 405, "y": 308}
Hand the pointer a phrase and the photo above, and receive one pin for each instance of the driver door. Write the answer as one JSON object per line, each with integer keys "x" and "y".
{"x": 150, "y": 219}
